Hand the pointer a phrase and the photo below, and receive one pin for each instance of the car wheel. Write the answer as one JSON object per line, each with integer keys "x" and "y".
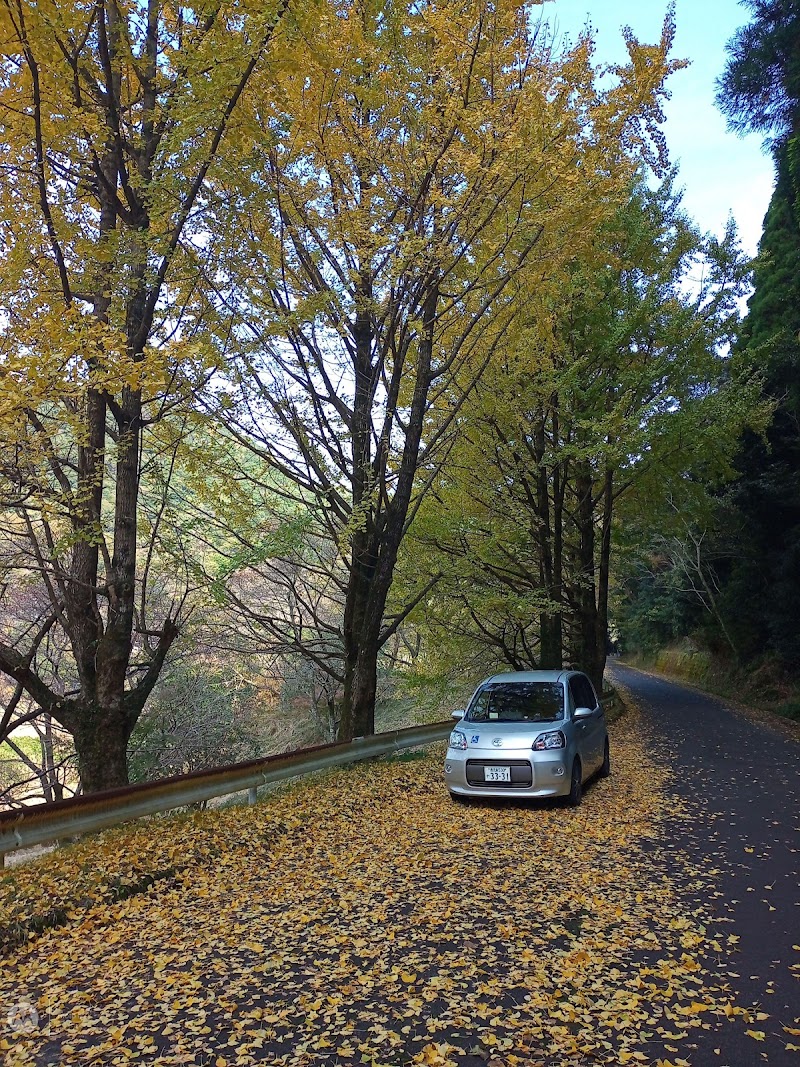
{"x": 605, "y": 769}
{"x": 575, "y": 794}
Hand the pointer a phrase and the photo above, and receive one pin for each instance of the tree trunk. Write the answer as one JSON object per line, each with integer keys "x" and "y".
{"x": 114, "y": 648}
{"x": 549, "y": 621}
{"x": 361, "y": 686}
{"x": 101, "y": 743}
{"x": 604, "y": 568}
{"x": 366, "y": 598}
{"x": 375, "y": 543}
{"x": 549, "y": 641}
{"x": 586, "y": 655}
{"x": 55, "y": 788}
{"x": 556, "y": 590}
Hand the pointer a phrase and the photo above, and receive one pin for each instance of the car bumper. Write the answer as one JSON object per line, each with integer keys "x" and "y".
{"x": 539, "y": 775}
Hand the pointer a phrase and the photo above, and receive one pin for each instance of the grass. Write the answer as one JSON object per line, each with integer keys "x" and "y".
{"x": 29, "y": 745}
{"x": 790, "y": 709}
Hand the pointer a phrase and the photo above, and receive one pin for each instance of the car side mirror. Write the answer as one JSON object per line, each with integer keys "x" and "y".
{"x": 582, "y": 713}
{"x": 457, "y": 714}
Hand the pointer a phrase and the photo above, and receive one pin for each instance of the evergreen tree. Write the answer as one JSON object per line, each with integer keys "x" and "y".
{"x": 759, "y": 91}
{"x": 765, "y": 580}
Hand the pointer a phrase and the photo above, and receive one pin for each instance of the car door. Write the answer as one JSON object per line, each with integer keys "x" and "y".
{"x": 582, "y": 727}
{"x": 591, "y": 731}
{"x": 598, "y": 721}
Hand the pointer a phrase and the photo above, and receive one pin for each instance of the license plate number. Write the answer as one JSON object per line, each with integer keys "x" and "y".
{"x": 497, "y": 774}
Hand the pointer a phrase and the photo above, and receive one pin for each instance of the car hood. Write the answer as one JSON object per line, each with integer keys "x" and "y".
{"x": 485, "y": 735}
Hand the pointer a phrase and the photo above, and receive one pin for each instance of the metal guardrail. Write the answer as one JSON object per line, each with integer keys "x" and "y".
{"x": 43, "y": 823}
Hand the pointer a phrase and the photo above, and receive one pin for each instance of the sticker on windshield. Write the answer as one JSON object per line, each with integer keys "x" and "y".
{"x": 475, "y": 739}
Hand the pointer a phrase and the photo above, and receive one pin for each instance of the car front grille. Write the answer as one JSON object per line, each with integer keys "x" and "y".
{"x": 521, "y": 773}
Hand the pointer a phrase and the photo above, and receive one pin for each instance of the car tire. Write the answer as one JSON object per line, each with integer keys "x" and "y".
{"x": 605, "y": 767}
{"x": 575, "y": 795}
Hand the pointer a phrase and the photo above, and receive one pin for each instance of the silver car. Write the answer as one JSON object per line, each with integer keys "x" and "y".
{"x": 528, "y": 734}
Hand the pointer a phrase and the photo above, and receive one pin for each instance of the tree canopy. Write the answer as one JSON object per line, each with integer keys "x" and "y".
{"x": 281, "y": 282}
{"x": 630, "y": 390}
{"x": 759, "y": 90}
{"x": 731, "y": 576}
{"x": 417, "y": 174}
{"x": 114, "y": 118}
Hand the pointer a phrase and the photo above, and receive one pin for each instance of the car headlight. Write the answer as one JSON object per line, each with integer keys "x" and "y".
{"x": 552, "y": 739}
{"x": 458, "y": 740}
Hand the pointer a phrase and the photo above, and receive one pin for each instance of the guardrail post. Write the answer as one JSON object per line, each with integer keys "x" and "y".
{"x": 252, "y": 795}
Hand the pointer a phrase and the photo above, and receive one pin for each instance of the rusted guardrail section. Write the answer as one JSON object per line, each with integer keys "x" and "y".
{"x": 42, "y": 823}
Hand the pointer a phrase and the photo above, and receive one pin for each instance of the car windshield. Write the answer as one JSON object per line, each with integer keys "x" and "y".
{"x": 517, "y": 702}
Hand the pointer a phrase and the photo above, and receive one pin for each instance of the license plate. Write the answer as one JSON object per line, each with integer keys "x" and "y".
{"x": 497, "y": 774}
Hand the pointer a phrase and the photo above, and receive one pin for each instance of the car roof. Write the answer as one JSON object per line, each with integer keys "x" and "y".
{"x": 529, "y": 676}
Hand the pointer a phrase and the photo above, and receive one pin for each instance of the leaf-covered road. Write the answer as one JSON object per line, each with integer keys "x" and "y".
{"x": 364, "y": 918}
{"x": 739, "y": 782}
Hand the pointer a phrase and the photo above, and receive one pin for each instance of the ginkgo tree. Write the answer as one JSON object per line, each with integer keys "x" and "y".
{"x": 614, "y": 384}
{"x": 415, "y": 165}
{"x": 114, "y": 116}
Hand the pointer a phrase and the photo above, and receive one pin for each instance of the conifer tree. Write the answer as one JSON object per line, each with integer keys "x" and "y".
{"x": 760, "y": 92}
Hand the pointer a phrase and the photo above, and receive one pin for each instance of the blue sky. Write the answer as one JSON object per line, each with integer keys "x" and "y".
{"x": 720, "y": 173}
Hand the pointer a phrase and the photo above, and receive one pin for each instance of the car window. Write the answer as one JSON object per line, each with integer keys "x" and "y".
{"x": 517, "y": 702}
{"x": 583, "y": 695}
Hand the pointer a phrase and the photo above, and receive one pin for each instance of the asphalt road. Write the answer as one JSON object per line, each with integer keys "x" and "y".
{"x": 740, "y": 783}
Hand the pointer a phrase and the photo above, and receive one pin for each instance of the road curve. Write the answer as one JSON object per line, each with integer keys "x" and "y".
{"x": 740, "y": 784}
